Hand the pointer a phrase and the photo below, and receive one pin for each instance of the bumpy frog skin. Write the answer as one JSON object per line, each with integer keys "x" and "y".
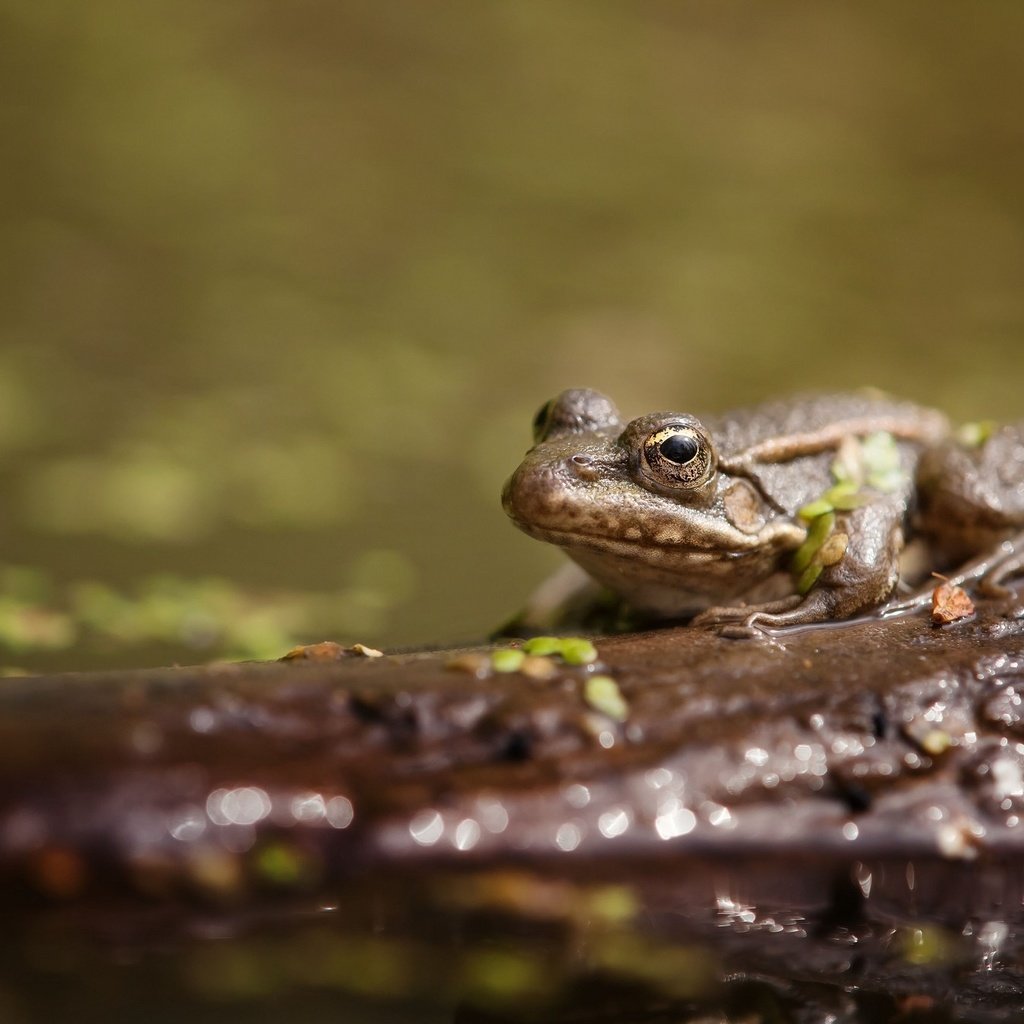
{"x": 785, "y": 514}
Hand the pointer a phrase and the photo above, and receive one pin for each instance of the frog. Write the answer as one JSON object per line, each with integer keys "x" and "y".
{"x": 790, "y": 513}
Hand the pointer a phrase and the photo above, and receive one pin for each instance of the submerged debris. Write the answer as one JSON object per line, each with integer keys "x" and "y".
{"x": 329, "y": 650}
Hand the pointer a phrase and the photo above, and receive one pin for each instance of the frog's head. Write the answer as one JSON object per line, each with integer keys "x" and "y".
{"x": 644, "y": 499}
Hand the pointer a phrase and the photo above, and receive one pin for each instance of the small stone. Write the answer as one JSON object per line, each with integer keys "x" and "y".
{"x": 366, "y": 652}
{"x": 538, "y": 668}
{"x": 475, "y": 664}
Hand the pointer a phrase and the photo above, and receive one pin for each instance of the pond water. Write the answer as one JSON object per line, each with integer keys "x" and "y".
{"x": 283, "y": 285}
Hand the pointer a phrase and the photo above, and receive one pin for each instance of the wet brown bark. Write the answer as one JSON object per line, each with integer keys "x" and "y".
{"x": 797, "y": 779}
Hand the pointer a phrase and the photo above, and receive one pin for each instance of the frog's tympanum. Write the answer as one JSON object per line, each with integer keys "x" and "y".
{"x": 786, "y": 514}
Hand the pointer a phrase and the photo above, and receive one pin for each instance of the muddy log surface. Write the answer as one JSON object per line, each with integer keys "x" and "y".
{"x": 825, "y": 827}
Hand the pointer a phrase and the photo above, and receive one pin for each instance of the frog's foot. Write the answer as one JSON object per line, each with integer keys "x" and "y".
{"x": 753, "y": 620}
{"x": 990, "y": 572}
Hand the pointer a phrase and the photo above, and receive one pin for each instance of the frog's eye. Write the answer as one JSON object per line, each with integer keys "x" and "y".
{"x": 542, "y": 420}
{"x": 576, "y": 411}
{"x": 679, "y": 456}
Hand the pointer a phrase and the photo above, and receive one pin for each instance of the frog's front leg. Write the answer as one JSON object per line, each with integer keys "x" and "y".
{"x": 849, "y": 563}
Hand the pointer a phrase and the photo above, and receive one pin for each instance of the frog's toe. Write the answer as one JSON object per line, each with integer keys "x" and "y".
{"x": 714, "y": 618}
{"x": 994, "y": 582}
{"x": 994, "y": 585}
{"x": 745, "y": 617}
{"x": 749, "y": 629}
{"x": 748, "y": 622}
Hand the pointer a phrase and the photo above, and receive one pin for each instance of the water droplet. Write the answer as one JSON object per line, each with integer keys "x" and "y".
{"x": 568, "y": 836}
{"x": 467, "y": 834}
{"x": 339, "y": 812}
{"x": 850, "y": 831}
{"x": 427, "y": 827}
{"x": 190, "y": 826}
{"x": 658, "y": 778}
{"x": 613, "y": 823}
{"x": 202, "y": 720}
{"x": 243, "y": 806}
{"x": 578, "y": 795}
{"x": 308, "y": 807}
{"x": 493, "y": 815}
{"x": 862, "y": 876}
{"x": 717, "y": 815}
{"x": 674, "y": 820}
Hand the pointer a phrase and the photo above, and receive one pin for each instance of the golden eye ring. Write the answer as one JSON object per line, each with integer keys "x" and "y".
{"x": 679, "y": 456}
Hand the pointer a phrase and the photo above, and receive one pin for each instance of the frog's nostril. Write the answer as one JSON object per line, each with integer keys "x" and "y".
{"x": 584, "y": 467}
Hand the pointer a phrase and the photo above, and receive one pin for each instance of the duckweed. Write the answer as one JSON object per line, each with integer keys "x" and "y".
{"x": 974, "y": 435}
{"x": 573, "y": 650}
{"x": 508, "y": 659}
{"x": 542, "y": 646}
{"x": 927, "y": 946}
{"x": 819, "y": 531}
{"x": 882, "y": 466}
{"x": 578, "y": 651}
{"x": 281, "y": 864}
{"x": 602, "y": 694}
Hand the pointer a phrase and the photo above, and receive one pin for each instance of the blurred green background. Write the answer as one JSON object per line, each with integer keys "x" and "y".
{"x": 283, "y": 284}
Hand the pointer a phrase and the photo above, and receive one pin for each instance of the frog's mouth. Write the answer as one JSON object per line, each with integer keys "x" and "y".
{"x": 726, "y": 543}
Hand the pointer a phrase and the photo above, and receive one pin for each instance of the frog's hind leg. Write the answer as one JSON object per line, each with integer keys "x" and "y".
{"x": 569, "y": 599}
{"x": 971, "y": 500}
{"x": 990, "y": 572}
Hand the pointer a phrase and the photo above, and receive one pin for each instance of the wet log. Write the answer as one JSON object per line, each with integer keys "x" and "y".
{"x": 824, "y": 825}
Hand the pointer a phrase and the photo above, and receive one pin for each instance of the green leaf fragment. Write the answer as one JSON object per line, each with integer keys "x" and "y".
{"x": 882, "y": 461}
{"x": 281, "y": 864}
{"x": 573, "y": 650}
{"x": 848, "y": 465}
{"x": 974, "y": 435}
{"x": 602, "y": 694}
{"x": 888, "y": 482}
{"x": 508, "y": 659}
{"x": 809, "y": 577}
{"x": 928, "y": 945}
{"x": 817, "y": 533}
{"x": 814, "y": 509}
{"x": 846, "y": 502}
{"x": 542, "y": 646}
{"x": 578, "y": 651}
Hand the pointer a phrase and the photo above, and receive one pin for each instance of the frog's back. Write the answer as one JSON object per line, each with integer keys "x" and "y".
{"x": 854, "y": 412}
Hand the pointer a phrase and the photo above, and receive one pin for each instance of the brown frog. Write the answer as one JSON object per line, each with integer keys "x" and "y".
{"x": 789, "y": 513}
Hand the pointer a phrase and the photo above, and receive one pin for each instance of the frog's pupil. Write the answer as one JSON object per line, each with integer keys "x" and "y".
{"x": 679, "y": 448}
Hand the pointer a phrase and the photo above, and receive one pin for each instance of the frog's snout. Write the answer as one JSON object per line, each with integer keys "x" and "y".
{"x": 535, "y": 493}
